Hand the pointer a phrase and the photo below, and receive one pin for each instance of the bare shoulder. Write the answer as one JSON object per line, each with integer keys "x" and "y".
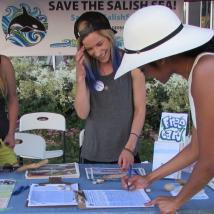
{"x": 203, "y": 76}
{"x": 5, "y": 59}
{"x": 204, "y": 68}
{"x": 6, "y": 64}
{"x": 7, "y": 69}
{"x": 137, "y": 73}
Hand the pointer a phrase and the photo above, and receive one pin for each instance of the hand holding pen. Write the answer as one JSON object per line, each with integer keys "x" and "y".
{"x": 129, "y": 176}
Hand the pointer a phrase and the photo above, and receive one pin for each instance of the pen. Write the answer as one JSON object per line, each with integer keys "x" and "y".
{"x": 20, "y": 190}
{"x": 129, "y": 175}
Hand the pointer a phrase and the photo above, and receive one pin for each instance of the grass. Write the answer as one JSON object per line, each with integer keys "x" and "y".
{"x": 54, "y": 142}
{"x": 146, "y": 149}
{"x": 72, "y": 148}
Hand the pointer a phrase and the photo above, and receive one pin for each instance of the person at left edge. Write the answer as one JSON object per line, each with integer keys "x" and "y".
{"x": 114, "y": 110}
{"x": 9, "y": 101}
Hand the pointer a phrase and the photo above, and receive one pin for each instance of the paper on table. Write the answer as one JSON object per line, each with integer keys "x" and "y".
{"x": 199, "y": 196}
{"x": 115, "y": 198}
{"x": 52, "y": 195}
{"x": 110, "y": 173}
{"x": 211, "y": 183}
{"x": 6, "y": 189}
{"x": 66, "y": 170}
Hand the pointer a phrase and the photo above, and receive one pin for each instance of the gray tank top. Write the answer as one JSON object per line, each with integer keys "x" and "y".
{"x": 109, "y": 122}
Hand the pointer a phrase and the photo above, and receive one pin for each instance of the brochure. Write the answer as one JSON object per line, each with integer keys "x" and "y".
{"x": 171, "y": 139}
{"x": 6, "y": 189}
{"x": 94, "y": 173}
{"x": 52, "y": 195}
{"x": 68, "y": 170}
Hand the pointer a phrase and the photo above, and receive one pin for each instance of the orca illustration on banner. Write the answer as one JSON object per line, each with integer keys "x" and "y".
{"x": 24, "y": 26}
{"x": 25, "y": 23}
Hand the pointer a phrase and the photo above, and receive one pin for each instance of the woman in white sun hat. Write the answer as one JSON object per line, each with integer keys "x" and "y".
{"x": 157, "y": 41}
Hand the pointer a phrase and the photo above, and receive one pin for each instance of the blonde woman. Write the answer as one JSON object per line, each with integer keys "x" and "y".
{"x": 8, "y": 100}
{"x": 114, "y": 110}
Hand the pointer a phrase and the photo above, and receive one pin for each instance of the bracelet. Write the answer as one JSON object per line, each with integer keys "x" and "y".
{"x": 129, "y": 150}
{"x": 135, "y": 134}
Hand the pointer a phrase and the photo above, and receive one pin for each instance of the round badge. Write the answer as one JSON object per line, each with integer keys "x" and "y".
{"x": 99, "y": 85}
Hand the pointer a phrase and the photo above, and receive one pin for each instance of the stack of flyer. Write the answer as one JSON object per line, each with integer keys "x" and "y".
{"x": 45, "y": 195}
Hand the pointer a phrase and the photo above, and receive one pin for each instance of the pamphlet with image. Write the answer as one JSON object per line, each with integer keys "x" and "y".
{"x": 110, "y": 173}
{"x": 67, "y": 170}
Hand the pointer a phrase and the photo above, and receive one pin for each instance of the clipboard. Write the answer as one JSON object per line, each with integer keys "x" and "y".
{"x": 54, "y": 193}
{"x": 83, "y": 199}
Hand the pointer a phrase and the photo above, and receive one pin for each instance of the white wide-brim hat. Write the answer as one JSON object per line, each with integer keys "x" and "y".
{"x": 155, "y": 32}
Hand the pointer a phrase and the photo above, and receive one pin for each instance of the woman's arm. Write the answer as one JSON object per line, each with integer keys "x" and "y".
{"x": 203, "y": 95}
{"x": 82, "y": 97}
{"x": 139, "y": 99}
{"x": 184, "y": 158}
{"x": 7, "y": 68}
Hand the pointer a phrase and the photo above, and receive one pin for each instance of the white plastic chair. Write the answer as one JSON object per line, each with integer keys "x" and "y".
{"x": 48, "y": 121}
{"x": 81, "y": 137}
{"x": 30, "y": 146}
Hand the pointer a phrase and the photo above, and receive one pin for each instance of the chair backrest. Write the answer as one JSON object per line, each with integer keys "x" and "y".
{"x": 42, "y": 120}
{"x": 81, "y": 137}
{"x": 30, "y": 146}
{"x": 48, "y": 121}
